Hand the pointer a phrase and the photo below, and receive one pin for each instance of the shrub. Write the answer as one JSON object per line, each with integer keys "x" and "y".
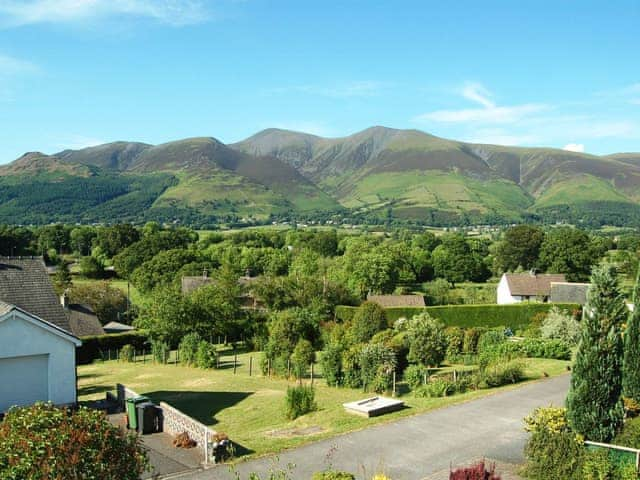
{"x": 300, "y": 400}
{"x": 490, "y": 339}
{"x": 377, "y": 363}
{"x": 333, "y": 475}
{"x": 560, "y": 325}
{"x": 368, "y": 320}
{"x": 436, "y": 388}
{"x": 331, "y": 362}
{"x": 597, "y": 466}
{"x": 303, "y": 356}
{"x": 553, "y": 419}
{"x": 127, "y": 353}
{"x": 502, "y": 373}
{"x": 479, "y": 471}
{"x": 630, "y": 434}
{"x": 414, "y": 375}
{"x": 471, "y": 337}
{"x": 455, "y": 341}
{"x": 45, "y": 442}
{"x": 91, "y": 267}
{"x": 427, "y": 340}
{"x": 557, "y": 455}
{"x": 631, "y": 407}
{"x": 553, "y": 349}
{"x": 94, "y": 347}
{"x": 206, "y": 355}
{"x": 188, "y": 348}
{"x": 160, "y": 351}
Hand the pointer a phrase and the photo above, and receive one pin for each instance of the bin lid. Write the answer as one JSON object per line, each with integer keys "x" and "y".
{"x": 139, "y": 399}
{"x": 146, "y": 405}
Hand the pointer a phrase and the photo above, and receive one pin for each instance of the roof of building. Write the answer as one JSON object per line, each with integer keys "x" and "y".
{"x": 397, "y": 300}
{"x": 117, "y": 327}
{"x": 24, "y": 283}
{"x": 6, "y": 308}
{"x": 532, "y": 284}
{"x": 83, "y": 320}
{"x": 568, "y": 292}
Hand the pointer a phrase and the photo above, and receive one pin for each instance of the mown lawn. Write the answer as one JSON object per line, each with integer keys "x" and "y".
{"x": 251, "y": 409}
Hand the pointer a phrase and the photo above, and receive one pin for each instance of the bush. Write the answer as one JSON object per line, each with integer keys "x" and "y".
{"x": 333, "y": 475}
{"x": 45, "y": 442}
{"x": 331, "y": 362}
{"x": 206, "y": 355}
{"x": 455, "y": 341}
{"x": 300, "y": 400}
{"x": 490, "y": 339}
{"x": 91, "y": 267}
{"x": 188, "y": 348}
{"x": 560, "y": 325}
{"x": 630, "y": 434}
{"x": 426, "y": 339}
{"x": 127, "y": 353}
{"x": 303, "y": 356}
{"x": 479, "y": 471}
{"x": 414, "y": 375}
{"x": 377, "y": 363}
{"x": 502, "y": 373}
{"x": 352, "y": 374}
{"x": 471, "y": 338}
{"x": 553, "y": 419}
{"x": 160, "y": 351}
{"x": 554, "y": 455}
{"x": 368, "y": 320}
{"x": 436, "y": 388}
{"x": 553, "y": 349}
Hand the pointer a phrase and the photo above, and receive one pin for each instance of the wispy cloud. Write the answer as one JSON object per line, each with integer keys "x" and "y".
{"x": 489, "y": 113}
{"x": 77, "y": 142}
{"x": 171, "y": 12}
{"x": 366, "y": 88}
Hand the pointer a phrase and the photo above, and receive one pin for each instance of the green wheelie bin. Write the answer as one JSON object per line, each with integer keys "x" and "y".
{"x": 132, "y": 410}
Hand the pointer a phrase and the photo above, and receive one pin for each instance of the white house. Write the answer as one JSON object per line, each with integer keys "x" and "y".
{"x": 37, "y": 348}
{"x": 526, "y": 287}
{"x": 37, "y": 360}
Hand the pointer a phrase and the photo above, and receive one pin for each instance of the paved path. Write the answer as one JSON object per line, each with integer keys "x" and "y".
{"x": 416, "y": 447}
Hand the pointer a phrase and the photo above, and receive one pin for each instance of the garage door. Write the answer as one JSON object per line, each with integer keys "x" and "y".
{"x": 23, "y": 380}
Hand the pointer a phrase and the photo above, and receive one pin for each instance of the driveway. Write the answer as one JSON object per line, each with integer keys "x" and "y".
{"x": 417, "y": 447}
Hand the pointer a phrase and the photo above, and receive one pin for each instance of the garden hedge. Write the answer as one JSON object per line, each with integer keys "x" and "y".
{"x": 515, "y": 316}
{"x": 93, "y": 346}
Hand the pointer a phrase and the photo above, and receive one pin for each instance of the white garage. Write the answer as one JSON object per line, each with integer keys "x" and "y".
{"x": 37, "y": 360}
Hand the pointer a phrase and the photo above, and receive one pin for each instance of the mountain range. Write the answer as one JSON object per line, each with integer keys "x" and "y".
{"x": 376, "y": 175}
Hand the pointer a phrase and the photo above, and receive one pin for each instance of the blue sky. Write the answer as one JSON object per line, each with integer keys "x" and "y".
{"x": 75, "y": 73}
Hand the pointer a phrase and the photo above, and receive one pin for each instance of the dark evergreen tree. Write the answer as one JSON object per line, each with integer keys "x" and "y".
{"x": 594, "y": 403}
{"x": 631, "y": 369}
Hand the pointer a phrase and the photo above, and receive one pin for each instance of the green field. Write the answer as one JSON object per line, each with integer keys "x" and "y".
{"x": 582, "y": 188}
{"x": 251, "y": 409}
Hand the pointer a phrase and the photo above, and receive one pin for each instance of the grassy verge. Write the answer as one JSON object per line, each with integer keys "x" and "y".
{"x": 251, "y": 408}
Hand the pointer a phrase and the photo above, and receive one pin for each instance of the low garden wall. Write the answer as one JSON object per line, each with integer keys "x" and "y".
{"x": 175, "y": 422}
{"x": 466, "y": 316}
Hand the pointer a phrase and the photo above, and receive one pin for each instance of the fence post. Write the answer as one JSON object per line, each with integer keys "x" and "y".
{"x": 394, "y": 383}
{"x": 424, "y": 379}
{"x": 288, "y": 368}
{"x": 312, "y": 374}
{"x": 206, "y": 447}
{"x": 250, "y": 365}
{"x": 235, "y": 362}
{"x": 269, "y": 367}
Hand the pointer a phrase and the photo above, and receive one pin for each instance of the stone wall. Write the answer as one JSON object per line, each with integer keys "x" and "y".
{"x": 122, "y": 393}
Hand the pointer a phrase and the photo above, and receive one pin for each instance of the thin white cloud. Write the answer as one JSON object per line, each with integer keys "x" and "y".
{"x": 489, "y": 113}
{"x": 574, "y": 147}
{"x": 171, "y": 12}
{"x": 77, "y": 142}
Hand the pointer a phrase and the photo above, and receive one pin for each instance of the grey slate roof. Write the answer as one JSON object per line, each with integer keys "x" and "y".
{"x": 83, "y": 320}
{"x": 117, "y": 327}
{"x": 532, "y": 285}
{"x": 568, "y": 292}
{"x": 24, "y": 283}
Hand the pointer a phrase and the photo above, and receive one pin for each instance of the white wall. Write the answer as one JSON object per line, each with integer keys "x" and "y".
{"x": 504, "y": 294}
{"x": 20, "y": 337}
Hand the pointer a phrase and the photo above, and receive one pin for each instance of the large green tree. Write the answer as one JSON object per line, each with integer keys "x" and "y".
{"x": 594, "y": 404}
{"x": 570, "y": 251}
{"x": 455, "y": 260}
{"x": 520, "y": 248}
{"x": 427, "y": 340}
{"x": 631, "y": 371}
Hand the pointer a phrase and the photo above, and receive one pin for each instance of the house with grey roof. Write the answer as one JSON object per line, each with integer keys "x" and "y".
{"x": 569, "y": 292}
{"x": 526, "y": 287}
{"x": 37, "y": 346}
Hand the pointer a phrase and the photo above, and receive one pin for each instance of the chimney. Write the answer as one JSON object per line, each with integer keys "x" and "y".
{"x": 64, "y": 300}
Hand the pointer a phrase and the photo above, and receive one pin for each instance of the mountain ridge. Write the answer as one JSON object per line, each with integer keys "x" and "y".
{"x": 373, "y": 174}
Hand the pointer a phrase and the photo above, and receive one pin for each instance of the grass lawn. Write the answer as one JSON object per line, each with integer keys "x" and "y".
{"x": 251, "y": 409}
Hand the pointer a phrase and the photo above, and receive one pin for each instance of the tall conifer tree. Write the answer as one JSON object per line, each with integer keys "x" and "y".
{"x": 631, "y": 369}
{"x": 594, "y": 404}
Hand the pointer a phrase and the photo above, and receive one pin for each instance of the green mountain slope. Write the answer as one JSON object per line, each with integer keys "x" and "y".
{"x": 411, "y": 174}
